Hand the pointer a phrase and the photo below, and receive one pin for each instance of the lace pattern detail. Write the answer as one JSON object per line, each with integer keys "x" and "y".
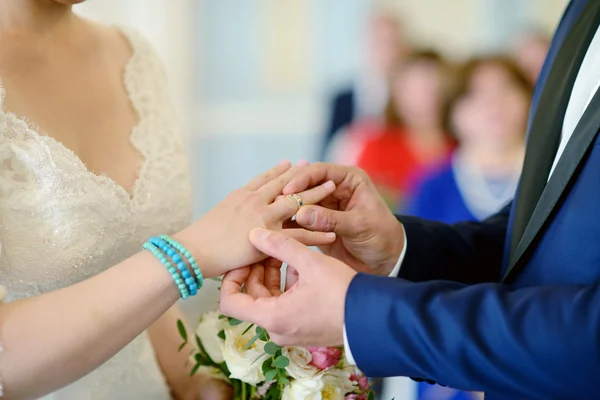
{"x": 60, "y": 223}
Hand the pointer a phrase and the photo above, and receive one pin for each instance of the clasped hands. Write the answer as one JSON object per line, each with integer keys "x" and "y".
{"x": 343, "y": 214}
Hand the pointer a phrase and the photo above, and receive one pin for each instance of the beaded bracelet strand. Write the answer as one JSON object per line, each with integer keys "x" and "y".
{"x": 171, "y": 251}
{"x": 191, "y": 260}
{"x": 162, "y": 257}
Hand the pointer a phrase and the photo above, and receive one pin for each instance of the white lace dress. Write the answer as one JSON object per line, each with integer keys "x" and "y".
{"x": 61, "y": 224}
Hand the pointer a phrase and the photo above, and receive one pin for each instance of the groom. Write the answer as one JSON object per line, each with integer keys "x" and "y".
{"x": 509, "y": 306}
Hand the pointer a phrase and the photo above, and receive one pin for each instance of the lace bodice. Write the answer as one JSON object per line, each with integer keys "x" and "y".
{"x": 60, "y": 223}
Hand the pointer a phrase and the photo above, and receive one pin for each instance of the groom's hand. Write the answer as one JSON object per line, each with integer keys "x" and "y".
{"x": 310, "y": 313}
{"x": 369, "y": 237}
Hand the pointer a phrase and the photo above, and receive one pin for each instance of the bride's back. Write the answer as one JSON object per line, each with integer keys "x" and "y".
{"x": 91, "y": 164}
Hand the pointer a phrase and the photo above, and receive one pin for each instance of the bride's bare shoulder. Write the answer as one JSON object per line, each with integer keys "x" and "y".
{"x": 114, "y": 40}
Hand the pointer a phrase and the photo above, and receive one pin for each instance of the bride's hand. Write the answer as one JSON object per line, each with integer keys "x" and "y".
{"x": 219, "y": 240}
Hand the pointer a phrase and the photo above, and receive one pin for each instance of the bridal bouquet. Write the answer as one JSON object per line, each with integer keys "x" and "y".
{"x": 242, "y": 354}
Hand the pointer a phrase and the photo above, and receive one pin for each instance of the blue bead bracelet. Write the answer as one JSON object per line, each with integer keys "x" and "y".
{"x": 172, "y": 252}
{"x": 162, "y": 257}
{"x": 190, "y": 259}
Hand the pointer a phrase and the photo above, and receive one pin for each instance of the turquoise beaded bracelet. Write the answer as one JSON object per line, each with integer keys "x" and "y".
{"x": 190, "y": 258}
{"x": 170, "y": 251}
{"x": 162, "y": 257}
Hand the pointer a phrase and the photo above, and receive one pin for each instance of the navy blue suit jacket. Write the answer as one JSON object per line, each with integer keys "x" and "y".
{"x": 476, "y": 307}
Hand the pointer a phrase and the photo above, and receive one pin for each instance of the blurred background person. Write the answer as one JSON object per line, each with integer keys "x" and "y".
{"x": 385, "y": 46}
{"x": 410, "y": 140}
{"x": 488, "y": 117}
{"x": 529, "y": 51}
{"x": 487, "y": 114}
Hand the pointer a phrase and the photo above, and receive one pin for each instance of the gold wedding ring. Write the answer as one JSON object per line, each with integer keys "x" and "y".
{"x": 296, "y": 198}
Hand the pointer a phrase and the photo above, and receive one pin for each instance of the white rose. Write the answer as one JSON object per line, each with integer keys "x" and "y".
{"x": 244, "y": 364}
{"x": 330, "y": 385}
{"x": 300, "y": 359}
{"x": 336, "y": 383}
{"x": 208, "y": 331}
{"x": 304, "y": 389}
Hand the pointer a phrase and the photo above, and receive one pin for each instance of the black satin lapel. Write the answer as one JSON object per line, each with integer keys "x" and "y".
{"x": 573, "y": 155}
{"x": 546, "y": 127}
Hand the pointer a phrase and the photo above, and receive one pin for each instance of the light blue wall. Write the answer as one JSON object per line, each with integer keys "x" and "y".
{"x": 228, "y": 54}
{"x": 222, "y": 164}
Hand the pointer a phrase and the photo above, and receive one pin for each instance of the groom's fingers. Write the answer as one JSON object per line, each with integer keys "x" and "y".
{"x": 323, "y": 219}
{"x": 281, "y": 246}
{"x": 268, "y": 176}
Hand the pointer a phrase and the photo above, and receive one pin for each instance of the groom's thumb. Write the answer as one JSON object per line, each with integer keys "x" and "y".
{"x": 282, "y": 247}
{"x": 321, "y": 219}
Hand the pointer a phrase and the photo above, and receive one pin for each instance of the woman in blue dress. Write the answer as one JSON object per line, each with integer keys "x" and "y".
{"x": 488, "y": 117}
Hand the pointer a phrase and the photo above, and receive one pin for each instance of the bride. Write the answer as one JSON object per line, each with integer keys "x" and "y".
{"x": 91, "y": 166}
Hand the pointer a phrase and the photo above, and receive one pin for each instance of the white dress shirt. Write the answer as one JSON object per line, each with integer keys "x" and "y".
{"x": 584, "y": 88}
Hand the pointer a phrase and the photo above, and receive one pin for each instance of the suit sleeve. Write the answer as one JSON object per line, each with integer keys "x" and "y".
{"x": 534, "y": 343}
{"x": 469, "y": 252}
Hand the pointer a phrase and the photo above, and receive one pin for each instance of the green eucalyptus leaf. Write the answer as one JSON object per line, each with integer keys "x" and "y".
{"x": 270, "y": 375}
{"x": 271, "y": 348}
{"x": 195, "y": 369}
{"x": 258, "y": 358}
{"x": 222, "y": 316}
{"x": 182, "y": 331}
{"x": 247, "y": 329}
{"x": 221, "y": 334}
{"x": 234, "y": 322}
{"x": 371, "y": 395}
{"x": 181, "y": 346}
{"x": 283, "y": 380}
{"x": 281, "y": 362}
{"x": 251, "y": 342}
{"x": 266, "y": 365}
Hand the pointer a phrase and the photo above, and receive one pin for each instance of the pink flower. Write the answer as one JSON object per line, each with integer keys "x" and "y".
{"x": 361, "y": 380}
{"x": 324, "y": 357}
{"x": 354, "y": 396}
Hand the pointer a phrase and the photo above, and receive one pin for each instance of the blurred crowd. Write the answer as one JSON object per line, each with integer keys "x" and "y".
{"x": 442, "y": 140}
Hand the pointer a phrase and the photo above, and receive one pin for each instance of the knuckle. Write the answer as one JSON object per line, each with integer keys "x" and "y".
{"x": 327, "y": 222}
{"x": 224, "y": 307}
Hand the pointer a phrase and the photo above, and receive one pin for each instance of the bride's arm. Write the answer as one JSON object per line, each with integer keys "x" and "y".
{"x": 55, "y": 338}
{"x": 58, "y": 337}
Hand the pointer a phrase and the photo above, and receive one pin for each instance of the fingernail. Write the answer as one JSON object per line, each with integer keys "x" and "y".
{"x": 261, "y": 234}
{"x": 329, "y": 185}
{"x": 312, "y": 217}
{"x": 285, "y": 162}
{"x": 330, "y": 234}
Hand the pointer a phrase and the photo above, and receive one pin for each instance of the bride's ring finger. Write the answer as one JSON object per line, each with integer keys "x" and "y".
{"x": 285, "y": 207}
